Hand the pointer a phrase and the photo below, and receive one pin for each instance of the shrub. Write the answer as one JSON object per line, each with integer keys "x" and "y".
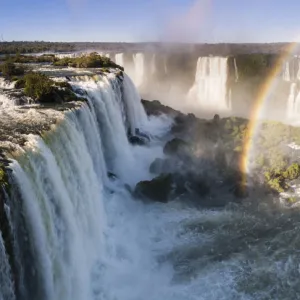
{"x": 38, "y": 86}
{"x": 93, "y": 60}
{"x": 9, "y": 69}
{"x": 292, "y": 172}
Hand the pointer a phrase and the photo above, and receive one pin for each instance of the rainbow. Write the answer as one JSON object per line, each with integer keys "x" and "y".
{"x": 259, "y": 104}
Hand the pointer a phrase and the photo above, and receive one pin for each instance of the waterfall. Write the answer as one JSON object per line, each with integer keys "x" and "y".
{"x": 139, "y": 69}
{"x": 236, "y": 72}
{"x": 117, "y": 108}
{"x": 293, "y": 105}
{"x": 120, "y": 59}
{"x": 6, "y": 283}
{"x": 153, "y": 65}
{"x": 291, "y": 101}
{"x": 63, "y": 181}
{"x": 286, "y": 73}
{"x": 209, "y": 90}
{"x": 298, "y": 71}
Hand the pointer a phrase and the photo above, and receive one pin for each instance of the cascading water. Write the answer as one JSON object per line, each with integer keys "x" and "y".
{"x": 119, "y": 57}
{"x": 6, "y": 282}
{"x": 64, "y": 187}
{"x": 85, "y": 237}
{"x": 293, "y": 105}
{"x": 209, "y": 91}
{"x": 139, "y": 68}
{"x": 236, "y": 71}
{"x": 286, "y": 72}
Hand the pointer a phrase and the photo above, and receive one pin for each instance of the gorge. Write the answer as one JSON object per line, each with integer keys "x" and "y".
{"x": 105, "y": 196}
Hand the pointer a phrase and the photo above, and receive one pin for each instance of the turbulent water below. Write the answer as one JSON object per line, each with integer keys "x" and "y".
{"x": 80, "y": 235}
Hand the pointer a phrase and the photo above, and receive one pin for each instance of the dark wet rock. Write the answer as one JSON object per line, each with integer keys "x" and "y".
{"x": 136, "y": 140}
{"x": 155, "y": 108}
{"x": 142, "y": 134}
{"x": 80, "y": 92}
{"x": 157, "y": 189}
{"x": 112, "y": 176}
{"x": 176, "y": 146}
{"x": 198, "y": 186}
{"x": 157, "y": 166}
{"x": 240, "y": 190}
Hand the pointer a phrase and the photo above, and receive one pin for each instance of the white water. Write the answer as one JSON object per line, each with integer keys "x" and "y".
{"x": 286, "y": 72}
{"x": 293, "y": 105}
{"x": 209, "y": 90}
{"x": 139, "y": 69}
{"x": 120, "y": 59}
{"x": 6, "y": 283}
{"x": 236, "y": 71}
{"x": 91, "y": 240}
{"x": 4, "y": 84}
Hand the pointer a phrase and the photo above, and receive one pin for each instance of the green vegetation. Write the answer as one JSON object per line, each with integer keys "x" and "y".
{"x": 38, "y": 86}
{"x": 274, "y": 158}
{"x": 42, "y": 89}
{"x": 90, "y": 61}
{"x": 3, "y": 176}
{"x": 34, "y": 47}
{"x": 9, "y": 69}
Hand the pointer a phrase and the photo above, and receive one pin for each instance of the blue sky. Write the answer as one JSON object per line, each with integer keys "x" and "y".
{"x": 155, "y": 20}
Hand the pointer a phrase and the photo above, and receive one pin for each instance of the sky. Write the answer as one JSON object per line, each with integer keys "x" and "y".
{"x": 196, "y": 21}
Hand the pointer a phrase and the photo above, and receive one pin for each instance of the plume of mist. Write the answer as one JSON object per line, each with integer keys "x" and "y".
{"x": 190, "y": 25}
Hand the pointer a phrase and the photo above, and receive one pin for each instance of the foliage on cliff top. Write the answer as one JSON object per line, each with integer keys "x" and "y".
{"x": 93, "y": 60}
{"x": 274, "y": 158}
{"x": 34, "y": 47}
{"x": 3, "y": 176}
{"x": 45, "y": 58}
{"x": 38, "y": 86}
{"x": 42, "y": 89}
{"x": 9, "y": 69}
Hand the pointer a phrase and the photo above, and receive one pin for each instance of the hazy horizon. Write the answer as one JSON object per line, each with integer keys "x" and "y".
{"x": 193, "y": 21}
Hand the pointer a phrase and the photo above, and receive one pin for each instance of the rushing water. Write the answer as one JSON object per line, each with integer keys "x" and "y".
{"x": 85, "y": 237}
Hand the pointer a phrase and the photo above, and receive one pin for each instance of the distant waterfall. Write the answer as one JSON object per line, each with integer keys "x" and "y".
{"x": 209, "y": 90}
{"x": 139, "y": 69}
{"x": 286, "y": 72}
{"x": 236, "y": 71}
{"x": 293, "y": 106}
{"x": 120, "y": 59}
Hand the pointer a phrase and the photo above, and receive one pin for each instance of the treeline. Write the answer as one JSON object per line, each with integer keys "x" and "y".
{"x": 34, "y": 47}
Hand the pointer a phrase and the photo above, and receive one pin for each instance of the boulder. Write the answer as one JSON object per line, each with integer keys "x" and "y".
{"x": 155, "y": 108}
{"x": 176, "y": 146}
{"x": 80, "y": 92}
{"x": 139, "y": 138}
{"x": 157, "y": 189}
{"x": 142, "y": 134}
{"x": 136, "y": 140}
{"x": 156, "y": 166}
{"x": 112, "y": 176}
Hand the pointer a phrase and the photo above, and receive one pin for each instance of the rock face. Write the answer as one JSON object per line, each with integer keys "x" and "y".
{"x": 136, "y": 140}
{"x": 157, "y": 189}
{"x": 176, "y": 146}
{"x": 139, "y": 138}
{"x": 155, "y": 108}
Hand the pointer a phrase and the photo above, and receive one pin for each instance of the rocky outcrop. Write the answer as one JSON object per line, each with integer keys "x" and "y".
{"x": 176, "y": 146}
{"x": 157, "y": 189}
